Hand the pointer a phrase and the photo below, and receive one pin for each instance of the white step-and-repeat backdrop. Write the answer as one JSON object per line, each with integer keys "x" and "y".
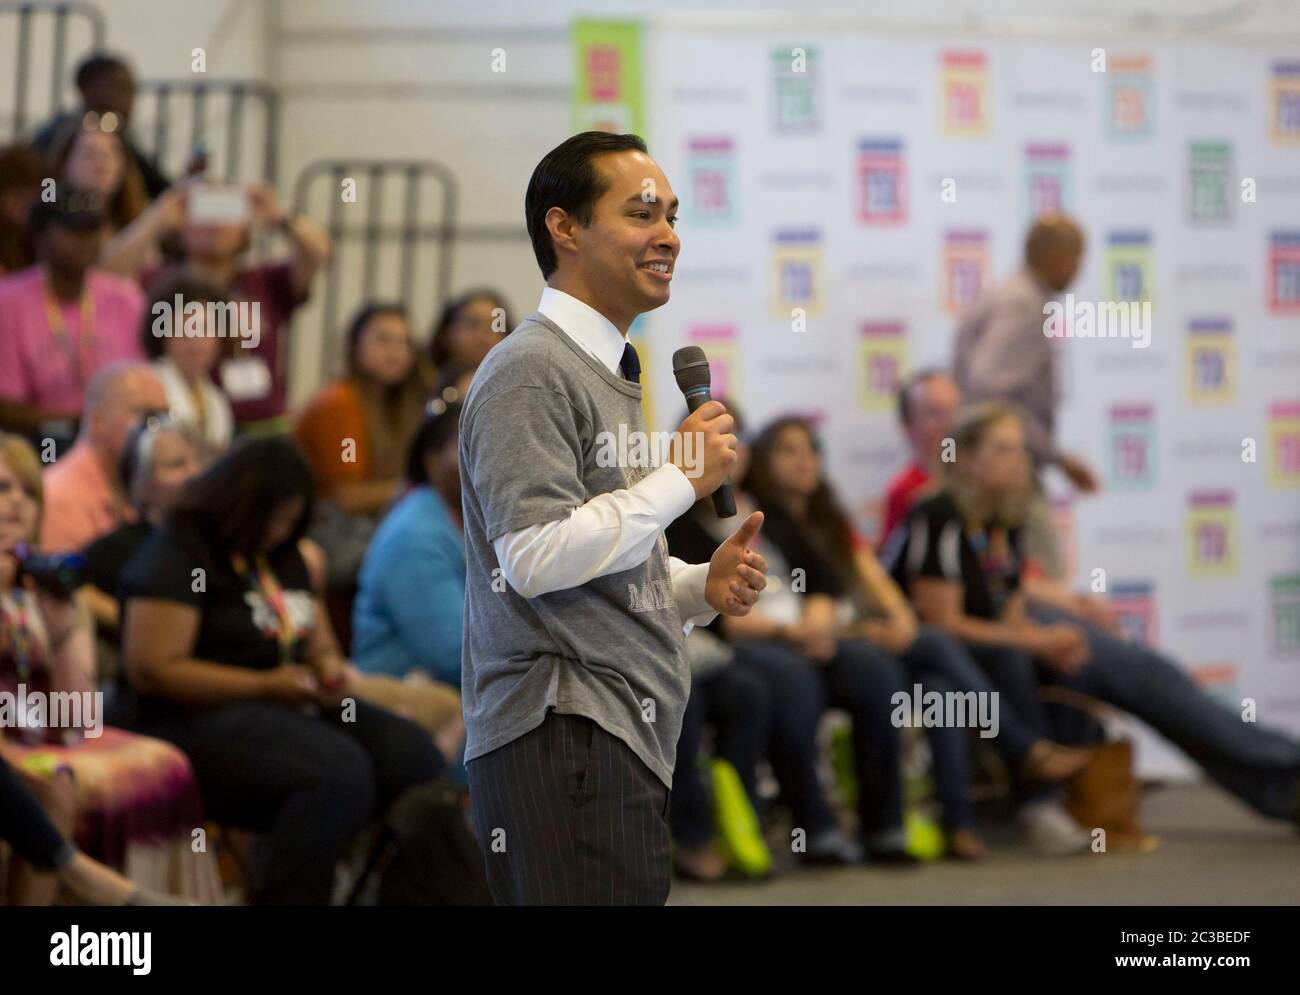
{"x": 845, "y": 196}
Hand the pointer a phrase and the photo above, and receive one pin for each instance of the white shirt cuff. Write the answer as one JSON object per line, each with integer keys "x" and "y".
{"x": 669, "y": 492}
{"x": 688, "y": 591}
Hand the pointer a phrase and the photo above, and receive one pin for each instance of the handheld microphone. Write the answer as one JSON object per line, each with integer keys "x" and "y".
{"x": 691, "y": 370}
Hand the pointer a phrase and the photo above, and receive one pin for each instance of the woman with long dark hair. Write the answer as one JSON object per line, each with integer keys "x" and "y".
{"x": 231, "y": 657}
{"x": 854, "y": 623}
{"x": 355, "y": 432}
{"x": 761, "y": 701}
{"x": 469, "y": 326}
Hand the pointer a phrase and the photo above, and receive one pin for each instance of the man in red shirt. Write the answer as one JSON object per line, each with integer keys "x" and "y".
{"x": 927, "y": 406}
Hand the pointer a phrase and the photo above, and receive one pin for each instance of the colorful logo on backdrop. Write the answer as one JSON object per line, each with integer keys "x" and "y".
{"x": 797, "y": 272}
{"x": 1284, "y": 272}
{"x": 965, "y": 267}
{"x": 1284, "y": 104}
{"x": 796, "y": 89}
{"x": 1134, "y": 604}
{"x": 964, "y": 94}
{"x": 1286, "y": 614}
{"x": 1211, "y": 534}
{"x": 1132, "y": 447}
{"x": 1219, "y": 681}
{"x": 1211, "y": 361}
{"x": 607, "y": 91}
{"x": 711, "y": 167}
{"x": 1131, "y": 107}
{"x": 719, "y": 343}
{"x": 1129, "y": 266}
{"x": 1047, "y": 178}
{"x": 1208, "y": 183}
{"x": 1284, "y": 443}
{"x": 882, "y": 362}
{"x": 882, "y": 182}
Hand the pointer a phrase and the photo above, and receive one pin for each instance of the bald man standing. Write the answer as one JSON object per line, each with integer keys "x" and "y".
{"x": 1002, "y": 354}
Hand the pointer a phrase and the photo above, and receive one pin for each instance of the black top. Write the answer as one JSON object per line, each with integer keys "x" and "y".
{"x": 107, "y": 555}
{"x": 935, "y": 543}
{"x": 801, "y": 550}
{"x": 238, "y": 626}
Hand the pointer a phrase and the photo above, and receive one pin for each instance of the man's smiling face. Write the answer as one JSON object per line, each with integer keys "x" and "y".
{"x": 626, "y": 256}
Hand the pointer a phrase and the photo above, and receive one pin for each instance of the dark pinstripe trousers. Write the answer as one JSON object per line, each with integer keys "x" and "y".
{"x": 568, "y": 815}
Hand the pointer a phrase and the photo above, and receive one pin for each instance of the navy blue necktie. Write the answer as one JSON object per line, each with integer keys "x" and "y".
{"x": 631, "y": 364}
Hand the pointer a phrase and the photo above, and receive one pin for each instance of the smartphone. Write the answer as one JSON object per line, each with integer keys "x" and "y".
{"x": 218, "y": 204}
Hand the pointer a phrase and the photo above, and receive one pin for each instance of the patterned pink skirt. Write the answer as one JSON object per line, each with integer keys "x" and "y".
{"x": 138, "y": 807}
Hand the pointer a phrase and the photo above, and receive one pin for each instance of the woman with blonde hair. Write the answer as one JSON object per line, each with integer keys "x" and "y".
{"x": 129, "y": 801}
{"x": 962, "y": 560}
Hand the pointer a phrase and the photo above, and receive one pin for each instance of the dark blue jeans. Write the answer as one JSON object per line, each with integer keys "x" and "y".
{"x": 738, "y": 704}
{"x": 860, "y": 679}
{"x": 1260, "y": 766}
{"x": 798, "y": 700}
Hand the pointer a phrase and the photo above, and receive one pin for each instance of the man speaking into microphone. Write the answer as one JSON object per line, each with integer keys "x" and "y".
{"x": 574, "y": 677}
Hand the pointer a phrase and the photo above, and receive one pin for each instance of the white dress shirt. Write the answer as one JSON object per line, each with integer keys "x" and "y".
{"x": 613, "y": 531}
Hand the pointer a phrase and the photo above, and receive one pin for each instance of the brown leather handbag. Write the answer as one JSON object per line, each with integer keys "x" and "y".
{"x": 1105, "y": 794}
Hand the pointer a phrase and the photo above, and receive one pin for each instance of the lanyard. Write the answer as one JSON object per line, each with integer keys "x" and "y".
{"x": 59, "y": 331}
{"x": 268, "y": 585}
{"x": 22, "y": 643}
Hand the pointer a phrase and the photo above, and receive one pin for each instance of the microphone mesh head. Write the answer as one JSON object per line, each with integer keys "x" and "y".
{"x": 691, "y": 368}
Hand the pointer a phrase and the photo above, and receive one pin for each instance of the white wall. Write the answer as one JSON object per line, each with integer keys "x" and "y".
{"x": 413, "y": 79}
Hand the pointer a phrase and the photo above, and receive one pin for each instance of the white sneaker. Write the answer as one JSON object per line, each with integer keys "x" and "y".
{"x": 1051, "y": 831}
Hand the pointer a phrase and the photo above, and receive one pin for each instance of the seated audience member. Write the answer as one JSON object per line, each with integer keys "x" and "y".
{"x": 256, "y": 379}
{"x": 84, "y": 497}
{"x": 38, "y": 843}
{"x": 468, "y": 328}
{"x": 159, "y": 457}
{"x": 186, "y": 349}
{"x": 241, "y": 671}
{"x": 91, "y": 156}
{"x": 22, "y": 171}
{"x": 133, "y": 800}
{"x": 857, "y": 619}
{"x": 754, "y": 709}
{"x": 927, "y": 404}
{"x": 406, "y": 618}
{"x": 962, "y": 561}
{"x": 107, "y": 86}
{"x": 61, "y": 321}
{"x": 356, "y": 431}
{"x": 1001, "y": 354}
{"x": 411, "y": 598}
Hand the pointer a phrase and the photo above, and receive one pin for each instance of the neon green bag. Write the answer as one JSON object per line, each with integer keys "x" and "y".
{"x": 739, "y": 834}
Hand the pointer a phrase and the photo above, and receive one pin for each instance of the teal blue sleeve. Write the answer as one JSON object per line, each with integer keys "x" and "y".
{"x": 423, "y": 591}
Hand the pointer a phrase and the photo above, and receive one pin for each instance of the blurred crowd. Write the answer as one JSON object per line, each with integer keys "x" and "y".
{"x": 271, "y": 600}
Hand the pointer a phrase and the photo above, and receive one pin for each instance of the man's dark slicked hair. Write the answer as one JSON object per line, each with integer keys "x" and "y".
{"x": 567, "y": 178}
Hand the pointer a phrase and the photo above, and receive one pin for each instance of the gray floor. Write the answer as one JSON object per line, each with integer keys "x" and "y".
{"x": 1213, "y": 851}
